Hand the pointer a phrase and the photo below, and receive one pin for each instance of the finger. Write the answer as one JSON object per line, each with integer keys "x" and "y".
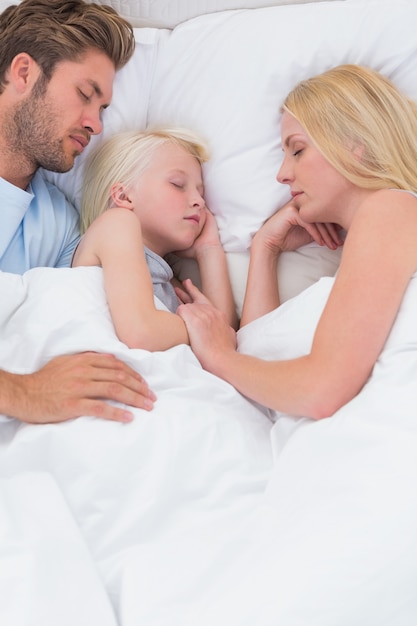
{"x": 105, "y": 361}
{"x": 334, "y": 231}
{"x": 102, "y": 409}
{"x": 314, "y": 232}
{"x": 329, "y": 235}
{"x": 99, "y": 392}
{"x": 194, "y": 292}
{"x": 196, "y": 315}
{"x": 107, "y": 368}
{"x": 182, "y": 295}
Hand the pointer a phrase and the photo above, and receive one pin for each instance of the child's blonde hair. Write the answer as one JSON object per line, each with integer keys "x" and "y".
{"x": 123, "y": 158}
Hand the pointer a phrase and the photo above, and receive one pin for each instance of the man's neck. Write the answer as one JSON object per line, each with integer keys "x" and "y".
{"x": 14, "y": 164}
{"x": 14, "y": 171}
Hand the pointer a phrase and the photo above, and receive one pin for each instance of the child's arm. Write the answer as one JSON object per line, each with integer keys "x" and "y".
{"x": 114, "y": 241}
{"x": 214, "y": 273}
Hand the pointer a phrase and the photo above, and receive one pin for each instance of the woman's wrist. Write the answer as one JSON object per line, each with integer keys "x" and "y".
{"x": 262, "y": 246}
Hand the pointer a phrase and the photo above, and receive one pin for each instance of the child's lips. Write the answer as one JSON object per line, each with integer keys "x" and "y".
{"x": 194, "y": 218}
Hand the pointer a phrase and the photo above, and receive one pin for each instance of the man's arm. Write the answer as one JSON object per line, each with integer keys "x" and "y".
{"x": 74, "y": 385}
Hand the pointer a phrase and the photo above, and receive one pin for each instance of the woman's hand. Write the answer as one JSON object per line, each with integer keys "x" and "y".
{"x": 285, "y": 231}
{"x": 210, "y": 334}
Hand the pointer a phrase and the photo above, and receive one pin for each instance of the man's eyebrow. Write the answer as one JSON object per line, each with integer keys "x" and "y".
{"x": 97, "y": 90}
{"x": 95, "y": 86}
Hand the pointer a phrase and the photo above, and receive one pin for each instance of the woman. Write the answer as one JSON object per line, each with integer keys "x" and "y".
{"x": 350, "y": 153}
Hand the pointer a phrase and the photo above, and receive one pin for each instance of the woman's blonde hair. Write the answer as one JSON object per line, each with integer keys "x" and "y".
{"x": 362, "y": 124}
{"x": 123, "y": 158}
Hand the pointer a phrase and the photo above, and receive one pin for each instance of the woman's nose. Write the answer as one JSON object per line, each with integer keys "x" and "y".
{"x": 284, "y": 175}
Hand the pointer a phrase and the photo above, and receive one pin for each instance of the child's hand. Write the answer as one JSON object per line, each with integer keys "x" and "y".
{"x": 208, "y": 237}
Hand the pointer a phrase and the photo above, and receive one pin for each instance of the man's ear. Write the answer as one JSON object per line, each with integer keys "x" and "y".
{"x": 23, "y": 72}
{"x": 119, "y": 196}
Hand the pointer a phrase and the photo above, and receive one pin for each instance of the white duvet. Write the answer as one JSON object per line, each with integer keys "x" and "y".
{"x": 204, "y": 511}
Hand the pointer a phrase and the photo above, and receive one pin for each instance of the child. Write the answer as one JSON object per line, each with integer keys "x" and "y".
{"x": 142, "y": 199}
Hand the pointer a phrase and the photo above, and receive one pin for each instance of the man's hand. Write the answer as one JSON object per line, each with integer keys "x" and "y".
{"x": 74, "y": 385}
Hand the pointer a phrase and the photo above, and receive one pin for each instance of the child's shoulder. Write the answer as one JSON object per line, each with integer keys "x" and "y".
{"x": 116, "y": 214}
{"x": 117, "y": 219}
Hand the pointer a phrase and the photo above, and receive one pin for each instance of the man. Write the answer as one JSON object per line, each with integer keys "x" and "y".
{"x": 57, "y": 64}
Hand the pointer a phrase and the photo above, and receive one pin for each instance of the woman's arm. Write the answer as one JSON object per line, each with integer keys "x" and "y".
{"x": 284, "y": 231}
{"x": 379, "y": 257}
{"x": 116, "y": 239}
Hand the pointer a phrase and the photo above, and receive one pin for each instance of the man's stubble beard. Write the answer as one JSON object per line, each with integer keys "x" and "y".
{"x": 32, "y": 134}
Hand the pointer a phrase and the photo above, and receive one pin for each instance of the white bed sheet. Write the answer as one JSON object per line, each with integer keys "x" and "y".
{"x": 204, "y": 511}
{"x": 157, "y": 502}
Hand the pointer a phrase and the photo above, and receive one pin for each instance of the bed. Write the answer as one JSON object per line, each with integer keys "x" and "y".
{"x": 210, "y": 509}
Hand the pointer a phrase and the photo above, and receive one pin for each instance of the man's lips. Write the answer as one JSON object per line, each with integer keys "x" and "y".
{"x": 81, "y": 140}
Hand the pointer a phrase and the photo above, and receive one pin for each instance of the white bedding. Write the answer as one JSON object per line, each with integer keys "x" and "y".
{"x": 156, "y": 503}
{"x": 225, "y": 75}
{"x": 170, "y": 13}
{"x": 203, "y": 511}
{"x": 210, "y": 511}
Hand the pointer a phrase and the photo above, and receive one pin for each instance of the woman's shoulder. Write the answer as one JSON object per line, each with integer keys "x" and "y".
{"x": 405, "y": 192}
{"x": 387, "y": 218}
{"x": 388, "y": 203}
{"x": 397, "y": 196}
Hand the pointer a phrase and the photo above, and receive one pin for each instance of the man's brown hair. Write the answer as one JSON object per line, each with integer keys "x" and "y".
{"x": 51, "y": 31}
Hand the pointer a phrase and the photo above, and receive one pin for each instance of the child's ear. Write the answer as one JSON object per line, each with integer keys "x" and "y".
{"x": 119, "y": 196}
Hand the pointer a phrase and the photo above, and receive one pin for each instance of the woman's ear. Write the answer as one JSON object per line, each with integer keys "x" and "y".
{"x": 358, "y": 151}
{"x": 119, "y": 197}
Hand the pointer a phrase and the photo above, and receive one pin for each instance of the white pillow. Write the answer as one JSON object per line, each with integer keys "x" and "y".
{"x": 169, "y": 13}
{"x": 225, "y": 75}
